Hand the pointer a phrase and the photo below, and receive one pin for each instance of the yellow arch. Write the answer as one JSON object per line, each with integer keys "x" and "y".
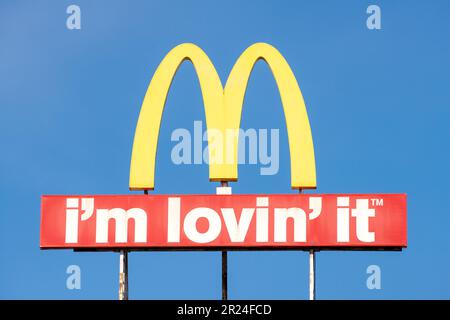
{"x": 223, "y": 109}
{"x": 143, "y": 157}
{"x": 303, "y": 170}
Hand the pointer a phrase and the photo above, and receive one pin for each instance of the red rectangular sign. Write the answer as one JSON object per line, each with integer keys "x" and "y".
{"x": 171, "y": 222}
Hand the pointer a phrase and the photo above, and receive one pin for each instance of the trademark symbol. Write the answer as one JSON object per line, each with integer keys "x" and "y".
{"x": 376, "y": 202}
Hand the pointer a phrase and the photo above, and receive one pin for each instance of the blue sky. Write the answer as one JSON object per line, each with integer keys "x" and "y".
{"x": 378, "y": 104}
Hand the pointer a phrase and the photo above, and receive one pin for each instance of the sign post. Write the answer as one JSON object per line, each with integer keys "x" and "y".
{"x": 123, "y": 275}
{"x": 224, "y": 275}
{"x": 312, "y": 275}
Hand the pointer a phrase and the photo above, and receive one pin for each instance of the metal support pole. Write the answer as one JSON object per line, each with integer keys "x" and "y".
{"x": 123, "y": 275}
{"x": 312, "y": 275}
{"x": 224, "y": 263}
{"x": 224, "y": 275}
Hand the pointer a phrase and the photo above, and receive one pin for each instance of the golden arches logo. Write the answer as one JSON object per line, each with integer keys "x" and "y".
{"x": 223, "y": 109}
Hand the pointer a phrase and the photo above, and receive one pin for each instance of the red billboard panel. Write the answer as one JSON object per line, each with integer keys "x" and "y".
{"x": 177, "y": 222}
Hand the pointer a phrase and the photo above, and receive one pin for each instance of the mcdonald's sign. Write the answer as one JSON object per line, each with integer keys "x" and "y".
{"x": 215, "y": 222}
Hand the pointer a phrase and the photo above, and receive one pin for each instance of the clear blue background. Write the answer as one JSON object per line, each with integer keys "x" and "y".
{"x": 378, "y": 103}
